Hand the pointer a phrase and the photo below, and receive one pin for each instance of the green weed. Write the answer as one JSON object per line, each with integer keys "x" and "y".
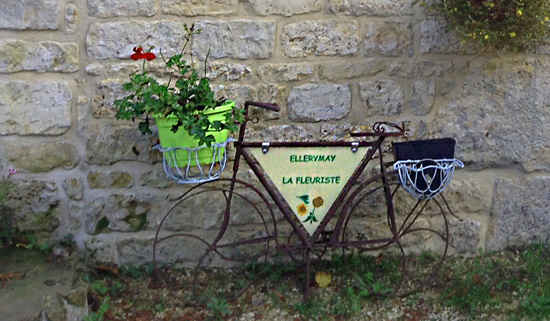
{"x": 470, "y": 289}
{"x": 535, "y": 289}
{"x": 137, "y": 271}
{"x": 103, "y": 308}
{"x": 219, "y": 308}
{"x": 99, "y": 287}
{"x": 312, "y": 309}
{"x": 347, "y": 303}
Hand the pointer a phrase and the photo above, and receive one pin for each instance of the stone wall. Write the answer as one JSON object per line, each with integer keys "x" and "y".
{"x": 330, "y": 65}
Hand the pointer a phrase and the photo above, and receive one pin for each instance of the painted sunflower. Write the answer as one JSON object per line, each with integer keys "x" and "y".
{"x": 302, "y": 209}
{"x": 318, "y": 202}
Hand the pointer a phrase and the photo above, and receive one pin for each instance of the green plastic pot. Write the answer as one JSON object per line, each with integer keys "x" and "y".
{"x": 181, "y": 138}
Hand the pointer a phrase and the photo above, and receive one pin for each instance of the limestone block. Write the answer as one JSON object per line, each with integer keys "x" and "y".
{"x": 94, "y": 223}
{"x": 110, "y": 143}
{"x": 29, "y": 14}
{"x": 285, "y": 7}
{"x": 520, "y": 213}
{"x": 106, "y": 40}
{"x": 198, "y": 7}
{"x": 139, "y": 250}
{"x": 69, "y": 304}
{"x": 371, "y": 7}
{"x": 156, "y": 178}
{"x": 274, "y": 133}
{"x": 320, "y": 38}
{"x": 114, "y": 179}
{"x": 336, "y": 132}
{"x": 426, "y": 67}
{"x": 470, "y": 193}
{"x": 317, "y": 102}
{"x": 240, "y": 39}
{"x": 239, "y": 93}
{"x": 465, "y": 235}
{"x": 110, "y": 69}
{"x": 499, "y": 116}
{"x": 39, "y": 157}
{"x": 118, "y": 213}
{"x": 74, "y": 188}
{"x": 17, "y": 55}
{"x": 116, "y": 8}
{"x": 227, "y": 71}
{"x": 381, "y": 97}
{"x": 107, "y": 91}
{"x": 388, "y": 38}
{"x": 349, "y": 70}
{"x": 71, "y": 17}
{"x": 542, "y": 83}
{"x": 34, "y": 108}
{"x": 422, "y": 96}
{"x": 35, "y": 205}
{"x": 285, "y": 72}
{"x": 435, "y": 38}
{"x": 103, "y": 247}
{"x": 203, "y": 211}
{"x": 275, "y": 94}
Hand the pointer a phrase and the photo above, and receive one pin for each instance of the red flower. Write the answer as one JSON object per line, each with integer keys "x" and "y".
{"x": 139, "y": 54}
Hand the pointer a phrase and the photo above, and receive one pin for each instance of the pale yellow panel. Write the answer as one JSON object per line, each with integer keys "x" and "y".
{"x": 310, "y": 178}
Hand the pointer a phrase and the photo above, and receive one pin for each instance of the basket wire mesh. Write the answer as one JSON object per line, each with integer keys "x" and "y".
{"x": 192, "y": 171}
{"x": 426, "y": 178}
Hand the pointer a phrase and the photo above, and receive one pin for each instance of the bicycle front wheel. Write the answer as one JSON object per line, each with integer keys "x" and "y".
{"x": 410, "y": 242}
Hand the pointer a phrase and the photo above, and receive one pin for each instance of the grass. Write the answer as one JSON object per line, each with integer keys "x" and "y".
{"x": 509, "y": 285}
{"x": 487, "y": 283}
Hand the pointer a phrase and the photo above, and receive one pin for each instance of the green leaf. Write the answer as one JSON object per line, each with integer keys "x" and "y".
{"x": 304, "y": 198}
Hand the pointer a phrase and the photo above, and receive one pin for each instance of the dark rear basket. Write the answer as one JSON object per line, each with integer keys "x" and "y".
{"x": 441, "y": 148}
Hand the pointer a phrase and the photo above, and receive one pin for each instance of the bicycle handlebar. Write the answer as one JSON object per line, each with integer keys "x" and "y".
{"x": 268, "y": 106}
{"x": 379, "y": 129}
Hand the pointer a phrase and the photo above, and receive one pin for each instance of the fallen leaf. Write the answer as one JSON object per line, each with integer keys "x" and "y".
{"x": 323, "y": 279}
{"x": 108, "y": 268}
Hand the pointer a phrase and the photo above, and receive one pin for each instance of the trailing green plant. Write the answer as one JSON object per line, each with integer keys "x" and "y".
{"x": 513, "y": 24}
{"x": 186, "y": 95}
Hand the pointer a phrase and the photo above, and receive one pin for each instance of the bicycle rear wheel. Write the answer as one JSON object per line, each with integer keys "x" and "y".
{"x": 199, "y": 229}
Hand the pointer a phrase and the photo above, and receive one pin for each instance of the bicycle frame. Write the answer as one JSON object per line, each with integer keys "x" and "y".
{"x": 242, "y": 147}
{"x": 321, "y": 237}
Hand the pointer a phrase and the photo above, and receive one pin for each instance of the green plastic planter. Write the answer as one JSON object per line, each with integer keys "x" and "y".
{"x": 182, "y": 139}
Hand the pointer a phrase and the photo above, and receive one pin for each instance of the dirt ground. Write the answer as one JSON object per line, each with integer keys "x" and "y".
{"x": 511, "y": 285}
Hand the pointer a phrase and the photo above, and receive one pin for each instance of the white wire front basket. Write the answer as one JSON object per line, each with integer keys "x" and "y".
{"x": 426, "y": 178}
{"x": 187, "y": 165}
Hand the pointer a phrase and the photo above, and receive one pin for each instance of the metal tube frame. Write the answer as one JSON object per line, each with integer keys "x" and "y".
{"x": 341, "y": 210}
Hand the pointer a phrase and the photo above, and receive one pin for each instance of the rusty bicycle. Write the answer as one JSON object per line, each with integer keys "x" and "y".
{"x": 308, "y": 199}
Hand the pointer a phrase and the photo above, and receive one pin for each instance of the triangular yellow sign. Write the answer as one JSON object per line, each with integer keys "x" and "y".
{"x": 310, "y": 178}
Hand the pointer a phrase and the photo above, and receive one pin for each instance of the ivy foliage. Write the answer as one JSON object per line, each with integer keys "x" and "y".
{"x": 516, "y": 25}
